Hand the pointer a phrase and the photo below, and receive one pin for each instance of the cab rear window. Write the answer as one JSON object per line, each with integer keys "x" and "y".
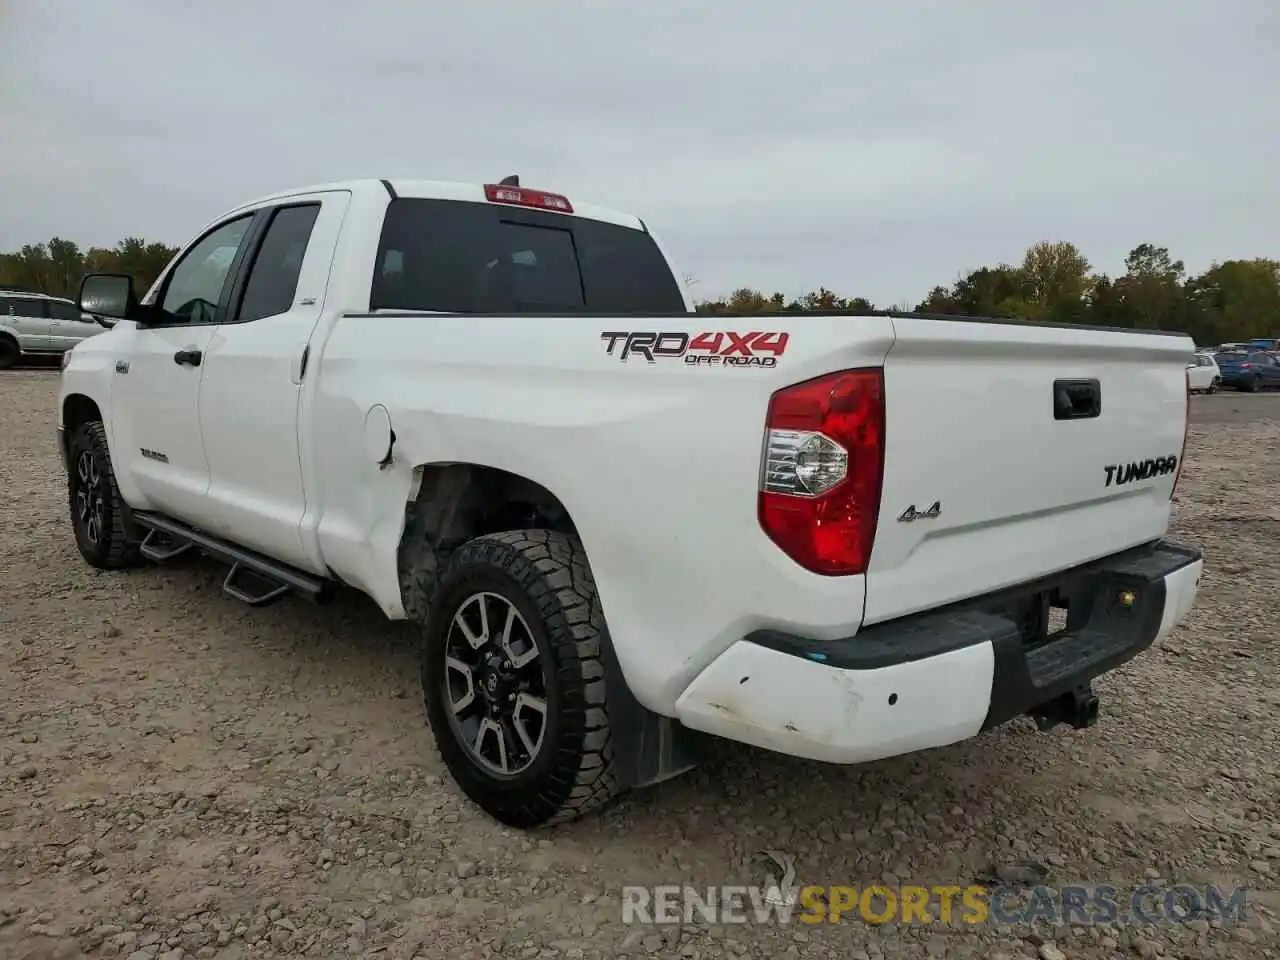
{"x": 458, "y": 257}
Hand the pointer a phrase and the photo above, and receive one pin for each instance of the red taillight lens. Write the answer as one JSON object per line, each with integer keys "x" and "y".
{"x": 524, "y": 197}
{"x": 1182, "y": 454}
{"x": 823, "y": 465}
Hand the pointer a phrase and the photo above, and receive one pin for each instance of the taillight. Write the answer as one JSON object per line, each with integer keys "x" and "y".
{"x": 524, "y": 197}
{"x": 823, "y": 465}
{"x": 1186, "y": 429}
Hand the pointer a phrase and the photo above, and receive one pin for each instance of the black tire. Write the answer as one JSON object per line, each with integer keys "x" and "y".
{"x": 567, "y": 770}
{"x": 1213, "y": 387}
{"x": 97, "y": 510}
{"x": 9, "y": 352}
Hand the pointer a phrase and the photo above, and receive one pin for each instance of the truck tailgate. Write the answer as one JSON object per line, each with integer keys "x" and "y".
{"x": 999, "y": 469}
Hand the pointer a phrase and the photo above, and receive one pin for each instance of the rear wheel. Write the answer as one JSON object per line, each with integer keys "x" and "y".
{"x": 97, "y": 510}
{"x": 513, "y": 681}
{"x": 9, "y": 352}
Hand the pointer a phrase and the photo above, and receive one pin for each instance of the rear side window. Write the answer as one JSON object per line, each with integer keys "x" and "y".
{"x": 273, "y": 280}
{"x": 458, "y": 257}
{"x": 61, "y": 310}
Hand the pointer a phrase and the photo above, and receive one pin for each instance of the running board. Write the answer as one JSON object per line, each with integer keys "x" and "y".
{"x": 253, "y": 579}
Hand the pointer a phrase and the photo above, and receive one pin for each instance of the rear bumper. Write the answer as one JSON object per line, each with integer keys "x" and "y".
{"x": 940, "y": 677}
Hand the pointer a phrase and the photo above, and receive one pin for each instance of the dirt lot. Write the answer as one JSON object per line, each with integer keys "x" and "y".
{"x": 183, "y": 777}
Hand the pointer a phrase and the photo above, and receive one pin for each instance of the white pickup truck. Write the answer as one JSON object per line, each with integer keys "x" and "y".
{"x": 621, "y": 524}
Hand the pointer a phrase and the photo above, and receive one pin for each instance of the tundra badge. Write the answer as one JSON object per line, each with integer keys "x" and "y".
{"x": 1122, "y": 473}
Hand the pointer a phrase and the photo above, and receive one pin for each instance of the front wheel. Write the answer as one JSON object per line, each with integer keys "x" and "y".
{"x": 97, "y": 510}
{"x": 513, "y": 680}
{"x": 9, "y": 353}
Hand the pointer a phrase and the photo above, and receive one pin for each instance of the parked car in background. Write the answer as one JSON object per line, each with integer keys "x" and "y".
{"x": 34, "y": 324}
{"x": 1203, "y": 375}
{"x": 1248, "y": 370}
{"x": 1265, "y": 343}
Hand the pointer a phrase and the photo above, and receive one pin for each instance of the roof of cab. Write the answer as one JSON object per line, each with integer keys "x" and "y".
{"x": 441, "y": 190}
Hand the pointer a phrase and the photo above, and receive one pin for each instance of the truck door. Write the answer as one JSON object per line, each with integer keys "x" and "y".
{"x": 252, "y": 379}
{"x": 155, "y": 422}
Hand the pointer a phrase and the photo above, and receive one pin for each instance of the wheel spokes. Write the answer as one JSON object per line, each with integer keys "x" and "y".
{"x": 518, "y": 658}
{"x": 489, "y": 732}
{"x": 529, "y": 709}
{"x": 457, "y": 668}
{"x": 477, "y": 640}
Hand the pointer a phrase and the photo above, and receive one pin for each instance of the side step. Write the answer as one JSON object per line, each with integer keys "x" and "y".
{"x": 253, "y": 579}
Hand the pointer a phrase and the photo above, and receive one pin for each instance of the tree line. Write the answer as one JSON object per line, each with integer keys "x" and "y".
{"x": 56, "y": 267}
{"x": 1232, "y": 300}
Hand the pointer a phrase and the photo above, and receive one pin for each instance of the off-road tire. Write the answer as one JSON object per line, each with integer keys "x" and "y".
{"x": 9, "y": 352}
{"x": 545, "y": 576}
{"x": 111, "y": 549}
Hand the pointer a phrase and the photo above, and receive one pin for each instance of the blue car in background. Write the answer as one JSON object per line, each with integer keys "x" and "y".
{"x": 1248, "y": 369}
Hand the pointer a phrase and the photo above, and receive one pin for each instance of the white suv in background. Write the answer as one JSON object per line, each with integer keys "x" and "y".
{"x": 34, "y": 324}
{"x": 1203, "y": 375}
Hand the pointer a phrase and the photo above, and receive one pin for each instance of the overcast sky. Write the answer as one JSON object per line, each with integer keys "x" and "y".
{"x": 878, "y": 148}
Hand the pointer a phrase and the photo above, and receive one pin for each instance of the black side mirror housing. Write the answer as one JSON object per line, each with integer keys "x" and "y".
{"x": 108, "y": 295}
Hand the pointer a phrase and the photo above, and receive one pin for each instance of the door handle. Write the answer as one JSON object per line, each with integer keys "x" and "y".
{"x": 189, "y": 358}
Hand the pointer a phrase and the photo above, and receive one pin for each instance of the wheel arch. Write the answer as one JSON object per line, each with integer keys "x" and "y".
{"x": 77, "y": 410}
{"x": 457, "y": 502}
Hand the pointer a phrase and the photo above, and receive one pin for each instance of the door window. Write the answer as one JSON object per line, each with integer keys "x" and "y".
{"x": 273, "y": 280}
{"x": 28, "y": 308}
{"x": 62, "y": 310}
{"x": 194, "y": 288}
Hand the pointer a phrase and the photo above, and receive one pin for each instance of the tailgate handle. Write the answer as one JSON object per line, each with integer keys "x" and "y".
{"x": 1076, "y": 399}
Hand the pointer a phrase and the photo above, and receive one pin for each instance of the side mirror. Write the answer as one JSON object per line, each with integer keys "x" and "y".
{"x": 108, "y": 295}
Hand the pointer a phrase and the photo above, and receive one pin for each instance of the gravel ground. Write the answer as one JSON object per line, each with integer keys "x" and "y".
{"x": 184, "y": 777}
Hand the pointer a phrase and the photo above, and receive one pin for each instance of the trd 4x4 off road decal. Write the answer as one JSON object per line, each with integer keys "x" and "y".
{"x": 712, "y": 349}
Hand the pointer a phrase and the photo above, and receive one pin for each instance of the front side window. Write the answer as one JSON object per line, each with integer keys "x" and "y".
{"x": 27, "y": 307}
{"x": 195, "y": 286}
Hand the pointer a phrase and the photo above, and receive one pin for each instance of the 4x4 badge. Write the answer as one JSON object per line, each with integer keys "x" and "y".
{"x": 911, "y": 513}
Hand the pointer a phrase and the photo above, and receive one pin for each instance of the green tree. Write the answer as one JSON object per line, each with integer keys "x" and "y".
{"x": 1235, "y": 300}
{"x": 1151, "y": 288}
{"x": 56, "y": 267}
{"x": 1055, "y": 280}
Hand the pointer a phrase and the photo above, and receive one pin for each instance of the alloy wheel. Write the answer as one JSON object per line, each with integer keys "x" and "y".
{"x": 90, "y": 496}
{"x": 495, "y": 685}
